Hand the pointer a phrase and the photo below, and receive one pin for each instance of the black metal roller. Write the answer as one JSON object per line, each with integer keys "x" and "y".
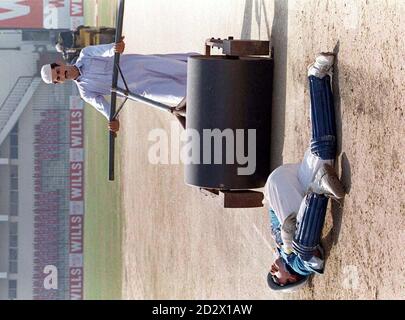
{"x": 222, "y": 94}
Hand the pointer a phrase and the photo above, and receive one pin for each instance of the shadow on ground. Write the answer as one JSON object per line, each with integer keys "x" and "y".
{"x": 256, "y": 12}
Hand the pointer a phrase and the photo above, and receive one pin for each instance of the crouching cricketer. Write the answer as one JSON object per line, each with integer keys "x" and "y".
{"x": 162, "y": 78}
{"x": 297, "y": 194}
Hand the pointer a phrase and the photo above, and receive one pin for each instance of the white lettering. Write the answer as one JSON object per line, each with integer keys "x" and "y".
{"x": 159, "y": 152}
{"x": 51, "y": 280}
{"x": 218, "y": 135}
{"x": 169, "y": 310}
{"x": 11, "y": 9}
{"x": 250, "y": 159}
{"x": 76, "y": 193}
{"x": 191, "y": 149}
{"x": 76, "y": 7}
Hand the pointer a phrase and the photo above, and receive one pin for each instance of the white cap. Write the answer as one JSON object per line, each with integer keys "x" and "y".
{"x": 46, "y": 73}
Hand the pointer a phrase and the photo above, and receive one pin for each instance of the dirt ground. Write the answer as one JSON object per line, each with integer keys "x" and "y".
{"x": 178, "y": 244}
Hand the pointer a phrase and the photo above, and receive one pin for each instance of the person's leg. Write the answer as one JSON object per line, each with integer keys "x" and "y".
{"x": 310, "y": 221}
{"x": 160, "y": 78}
{"x": 311, "y": 216}
{"x": 323, "y": 143}
{"x": 306, "y": 242}
{"x": 322, "y": 148}
{"x": 178, "y": 56}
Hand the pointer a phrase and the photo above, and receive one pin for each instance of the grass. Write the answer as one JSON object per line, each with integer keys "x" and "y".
{"x": 103, "y": 218}
{"x": 106, "y": 12}
{"x": 103, "y": 222}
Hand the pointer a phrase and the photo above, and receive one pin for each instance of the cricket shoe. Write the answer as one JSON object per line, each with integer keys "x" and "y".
{"x": 327, "y": 183}
{"x": 322, "y": 66}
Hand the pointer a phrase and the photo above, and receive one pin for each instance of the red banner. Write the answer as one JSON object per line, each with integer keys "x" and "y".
{"x": 76, "y": 209}
{"x": 76, "y": 128}
{"x": 76, "y": 8}
{"x": 76, "y": 283}
{"x": 21, "y": 14}
{"x": 76, "y": 234}
{"x": 76, "y": 181}
{"x": 76, "y": 257}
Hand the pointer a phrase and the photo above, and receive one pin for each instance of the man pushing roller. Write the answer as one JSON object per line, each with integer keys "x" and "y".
{"x": 162, "y": 78}
{"x": 297, "y": 194}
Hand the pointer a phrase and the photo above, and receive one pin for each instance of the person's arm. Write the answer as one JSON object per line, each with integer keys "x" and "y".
{"x": 275, "y": 228}
{"x": 97, "y": 101}
{"x": 101, "y": 104}
{"x": 287, "y": 232}
{"x": 104, "y": 50}
{"x": 295, "y": 263}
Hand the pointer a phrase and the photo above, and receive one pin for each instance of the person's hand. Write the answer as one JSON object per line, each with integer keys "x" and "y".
{"x": 114, "y": 126}
{"x": 287, "y": 232}
{"x": 274, "y": 269}
{"x": 119, "y": 47}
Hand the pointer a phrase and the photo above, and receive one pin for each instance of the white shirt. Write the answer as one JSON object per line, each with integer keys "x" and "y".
{"x": 162, "y": 78}
{"x": 287, "y": 185}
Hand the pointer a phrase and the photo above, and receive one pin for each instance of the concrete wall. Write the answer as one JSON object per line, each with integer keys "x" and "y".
{"x": 5, "y": 148}
{"x": 3, "y": 289}
{"x": 4, "y": 246}
{"x": 4, "y": 189}
{"x": 26, "y": 204}
{"x": 15, "y": 64}
{"x": 25, "y": 216}
{"x": 10, "y": 38}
